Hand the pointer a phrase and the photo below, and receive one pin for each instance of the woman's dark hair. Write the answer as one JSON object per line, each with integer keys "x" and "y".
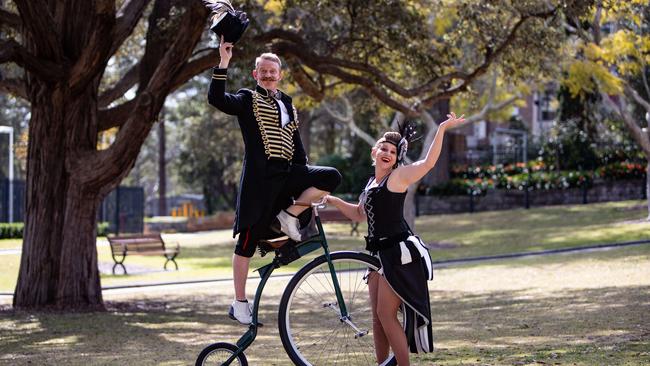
{"x": 391, "y": 137}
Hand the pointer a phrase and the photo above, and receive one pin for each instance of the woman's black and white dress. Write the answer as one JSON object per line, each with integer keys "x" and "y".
{"x": 405, "y": 262}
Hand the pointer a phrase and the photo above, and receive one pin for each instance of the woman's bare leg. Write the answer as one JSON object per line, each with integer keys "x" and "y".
{"x": 388, "y": 304}
{"x": 381, "y": 342}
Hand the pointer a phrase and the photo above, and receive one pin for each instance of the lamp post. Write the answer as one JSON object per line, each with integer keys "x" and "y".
{"x": 10, "y": 131}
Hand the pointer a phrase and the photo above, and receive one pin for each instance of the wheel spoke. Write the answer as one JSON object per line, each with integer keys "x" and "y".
{"x": 314, "y": 334}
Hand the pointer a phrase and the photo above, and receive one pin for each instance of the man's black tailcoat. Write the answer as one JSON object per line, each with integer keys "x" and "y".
{"x": 251, "y": 200}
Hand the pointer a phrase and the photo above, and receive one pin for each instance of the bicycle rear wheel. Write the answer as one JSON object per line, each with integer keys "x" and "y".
{"x": 311, "y": 327}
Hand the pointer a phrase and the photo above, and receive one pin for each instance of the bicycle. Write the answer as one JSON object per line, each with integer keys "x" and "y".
{"x": 330, "y": 289}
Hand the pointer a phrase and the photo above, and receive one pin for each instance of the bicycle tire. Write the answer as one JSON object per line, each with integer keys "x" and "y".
{"x": 218, "y": 353}
{"x": 310, "y": 295}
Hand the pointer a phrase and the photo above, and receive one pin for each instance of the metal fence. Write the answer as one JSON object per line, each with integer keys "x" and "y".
{"x": 123, "y": 208}
{"x": 18, "y": 188}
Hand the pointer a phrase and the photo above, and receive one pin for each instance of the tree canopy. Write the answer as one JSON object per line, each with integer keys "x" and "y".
{"x": 75, "y": 60}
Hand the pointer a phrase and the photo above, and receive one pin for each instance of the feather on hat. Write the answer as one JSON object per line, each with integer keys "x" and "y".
{"x": 226, "y": 21}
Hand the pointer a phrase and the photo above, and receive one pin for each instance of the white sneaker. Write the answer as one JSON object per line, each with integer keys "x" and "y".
{"x": 388, "y": 361}
{"x": 241, "y": 311}
{"x": 289, "y": 225}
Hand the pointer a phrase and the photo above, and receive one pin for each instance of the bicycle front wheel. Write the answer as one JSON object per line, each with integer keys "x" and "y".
{"x": 217, "y": 354}
{"x": 312, "y": 329}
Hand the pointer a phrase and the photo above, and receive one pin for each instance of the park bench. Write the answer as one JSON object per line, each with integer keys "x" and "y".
{"x": 337, "y": 216}
{"x": 149, "y": 244}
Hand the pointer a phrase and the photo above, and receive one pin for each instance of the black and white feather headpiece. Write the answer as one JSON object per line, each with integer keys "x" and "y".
{"x": 218, "y": 6}
{"x": 408, "y": 131}
{"x": 226, "y": 21}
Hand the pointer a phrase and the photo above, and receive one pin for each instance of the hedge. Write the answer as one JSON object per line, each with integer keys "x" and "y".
{"x": 15, "y": 230}
{"x": 477, "y": 180}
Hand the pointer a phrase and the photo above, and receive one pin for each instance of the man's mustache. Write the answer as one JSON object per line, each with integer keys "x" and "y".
{"x": 268, "y": 78}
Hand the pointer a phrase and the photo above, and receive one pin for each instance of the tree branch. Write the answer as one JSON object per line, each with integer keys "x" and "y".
{"x": 94, "y": 56}
{"x": 122, "y": 86}
{"x": 152, "y": 96}
{"x": 126, "y": 20}
{"x": 376, "y": 82}
{"x": 432, "y": 129}
{"x": 195, "y": 67}
{"x": 637, "y": 98}
{"x": 11, "y": 51}
{"x": 10, "y": 19}
{"x": 144, "y": 108}
{"x": 620, "y": 108}
{"x": 116, "y": 116}
{"x": 309, "y": 86}
{"x": 347, "y": 117}
{"x": 14, "y": 86}
{"x": 490, "y": 57}
{"x": 363, "y": 67}
{"x": 41, "y": 27}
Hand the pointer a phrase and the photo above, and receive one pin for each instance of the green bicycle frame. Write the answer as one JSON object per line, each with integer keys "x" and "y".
{"x": 265, "y": 272}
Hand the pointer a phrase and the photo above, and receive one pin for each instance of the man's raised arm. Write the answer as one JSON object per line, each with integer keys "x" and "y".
{"x": 217, "y": 96}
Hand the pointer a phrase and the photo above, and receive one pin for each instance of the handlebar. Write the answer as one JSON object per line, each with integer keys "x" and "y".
{"x": 318, "y": 204}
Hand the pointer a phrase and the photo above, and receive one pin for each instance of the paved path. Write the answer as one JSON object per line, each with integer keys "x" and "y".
{"x": 137, "y": 287}
{"x": 10, "y": 251}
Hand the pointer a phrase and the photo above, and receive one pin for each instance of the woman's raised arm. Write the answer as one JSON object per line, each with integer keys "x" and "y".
{"x": 406, "y": 175}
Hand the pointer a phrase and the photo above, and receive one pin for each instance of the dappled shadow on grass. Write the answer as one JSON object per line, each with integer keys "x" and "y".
{"x": 605, "y": 325}
{"x": 585, "y": 327}
{"x": 140, "y": 332}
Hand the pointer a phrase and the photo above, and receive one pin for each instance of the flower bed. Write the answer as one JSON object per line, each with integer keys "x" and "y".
{"x": 477, "y": 180}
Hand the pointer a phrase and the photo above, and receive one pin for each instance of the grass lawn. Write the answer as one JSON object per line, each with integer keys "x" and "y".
{"x": 572, "y": 309}
{"x": 208, "y": 255}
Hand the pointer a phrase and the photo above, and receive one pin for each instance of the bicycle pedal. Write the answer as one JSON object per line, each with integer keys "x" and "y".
{"x": 263, "y": 250}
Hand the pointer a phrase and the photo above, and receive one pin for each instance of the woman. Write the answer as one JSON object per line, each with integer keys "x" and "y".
{"x": 405, "y": 263}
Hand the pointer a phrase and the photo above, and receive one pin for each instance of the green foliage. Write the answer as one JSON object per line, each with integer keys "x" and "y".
{"x": 210, "y": 148}
{"x": 11, "y": 230}
{"x": 15, "y": 230}
{"x": 355, "y": 172}
{"x": 584, "y": 136}
{"x": 572, "y": 145}
{"x": 477, "y": 180}
{"x": 622, "y": 171}
{"x": 102, "y": 228}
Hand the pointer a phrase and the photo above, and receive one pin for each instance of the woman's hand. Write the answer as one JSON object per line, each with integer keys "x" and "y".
{"x": 453, "y": 121}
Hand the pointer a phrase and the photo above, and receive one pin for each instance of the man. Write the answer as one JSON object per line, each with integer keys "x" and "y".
{"x": 274, "y": 167}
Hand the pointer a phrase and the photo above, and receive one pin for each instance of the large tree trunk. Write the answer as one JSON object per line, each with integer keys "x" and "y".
{"x": 59, "y": 261}
{"x": 67, "y": 177}
{"x": 409, "y": 205}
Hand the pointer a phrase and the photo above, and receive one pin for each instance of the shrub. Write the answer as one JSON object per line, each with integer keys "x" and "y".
{"x": 15, "y": 230}
{"x": 476, "y": 180}
{"x": 102, "y": 228}
{"x": 11, "y": 230}
{"x": 621, "y": 170}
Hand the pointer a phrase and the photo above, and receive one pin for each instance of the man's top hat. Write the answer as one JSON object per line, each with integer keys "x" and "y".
{"x": 226, "y": 21}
